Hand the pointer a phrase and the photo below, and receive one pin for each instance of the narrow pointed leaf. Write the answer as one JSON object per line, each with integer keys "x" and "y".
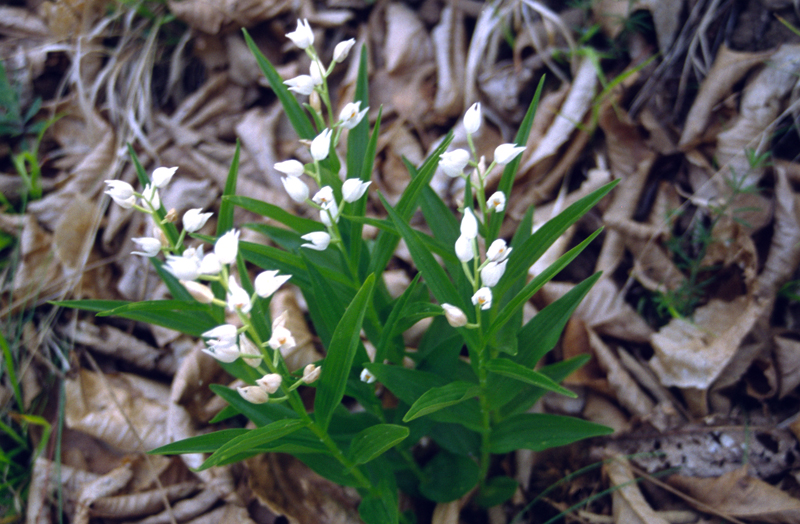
{"x": 252, "y": 439}
{"x": 376, "y": 440}
{"x": 440, "y": 398}
{"x": 539, "y": 431}
{"x": 301, "y": 225}
{"x": 505, "y": 367}
{"x": 341, "y": 352}
{"x": 225, "y": 219}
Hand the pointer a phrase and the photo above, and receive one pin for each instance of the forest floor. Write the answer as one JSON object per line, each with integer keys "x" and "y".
{"x": 694, "y": 329}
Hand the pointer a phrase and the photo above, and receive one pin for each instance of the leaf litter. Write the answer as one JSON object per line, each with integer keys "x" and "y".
{"x": 693, "y": 113}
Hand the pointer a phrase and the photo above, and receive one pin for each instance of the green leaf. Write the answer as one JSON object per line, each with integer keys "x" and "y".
{"x": 440, "y": 398}
{"x": 294, "y": 111}
{"x": 341, "y": 352}
{"x": 537, "y": 282}
{"x": 386, "y": 243}
{"x": 376, "y": 440}
{"x": 448, "y": 477}
{"x": 534, "y": 247}
{"x": 259, "y": 207}
{"x": 251, "y": 440}
{"x": 225, "y": 217}
{"x": 528, "y": 395}
{"x": 509, "y": 172}
{"x": 207, "y": 443}
{"x": 539, "y": 431}
{"x": 379, "y": 509}
{"x": 505, "y": 367}
{"x": 496, "y": 491}
{"x": 388, "y": 333}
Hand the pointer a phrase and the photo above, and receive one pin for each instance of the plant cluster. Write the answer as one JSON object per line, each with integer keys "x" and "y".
{"x": 471, "y": 409}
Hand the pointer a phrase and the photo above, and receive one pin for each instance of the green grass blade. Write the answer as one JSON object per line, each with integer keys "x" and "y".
{"x": 225, "y": 219}
{"x": 301, "y": 225}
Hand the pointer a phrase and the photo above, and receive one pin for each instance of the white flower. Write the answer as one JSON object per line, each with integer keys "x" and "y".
{"x": 195, "y": 219}
{"x": 472, "y": 118}
{"x": 270, "y": 383}
{"x": 199, "y": 292}
{"x": 455, "y": 317}
{"x": 268, "y": 282}
{"x": 351, "y": 114}
{"x": 317, "y": 73}
{"x": 464, "y": 250}
{"x": 224, "y": 333}
{"x": 222, "y": 345}
{"x": 227, "y": 247}
{"x": 483, "y": 298}
{"x": 281, "y": 338}
{"x": 296, "y": 188}
{"x": 253, "y": 394}
{"x": 311, "y": 373}
{"x": 505, "y": 153}
{"x": 150, "y": 195}
{"x": 292, "y": 168}
{"x": 303, "y": 36}
{"x": 329, "y": 215}
{"x": 149, "y": 246}
{"x": 121, "y": 192}
{"x": 367, "y": 377}
{"x": 492, "y": 272}
{"x": 496, "y": 202}
{"x": 342, "y": 49}
{"x": 317, "y": 240}
{"x": 469, "y": 224}
{"x": 454, "y": 162}
{"x": 210, "y": 265}
{"x": 321, "y": 145}
{"x": 498, "y": 251}
{"x": 302, "y": 84}
{"x": 184, "y": 268}
{"x": 330, "y": 210}
{"x": 222, "y": 353}
{"x": 249, "y": 351}
{"x": 353, "y": 189}
{"x": 162, "y": 176}
{"x": 238, "y": 297}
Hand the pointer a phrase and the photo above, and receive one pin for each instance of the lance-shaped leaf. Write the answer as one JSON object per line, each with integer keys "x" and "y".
{"x": 341, "y": 351}
{"x": 440, "y": 398}
{"x": 540, "y": 431}
{"x": 508, "y": 368}
{"x": 207, "y": 443}
{"x": 376, "y": 440}
{"x": 252, "y": 439}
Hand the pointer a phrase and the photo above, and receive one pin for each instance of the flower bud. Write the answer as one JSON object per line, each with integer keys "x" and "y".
{"x": 469, "y": 224}
{"x": 268, "y": 282}
{"x": 303, "y": 36}
{"x": 195, "y": 219}
{"x": 353, "y": 189}
{"x": 472, "y": 118}
{"x": 464, "y": 250}
{"x": 249, "y": 351}
{"x": 342, "y": 49}
{"x": 492, "y": 273}
{"x": 121, "y": 192}
{"x": 238, "y": 299}
{"x": 270, "y": 383}
{"x": 162, "y": 176}
{"x": 311, "y": 373}
{"x": 199, "y": 292}
{"x": 321, "y": 145}
{"x": 455, "y": 317}
{"x": 254, "y": 394}
{"x": 505, "y": 153}
{"x": 227, "y": 247}
{"x": 317, "y": 240}
{"x": 150, "y": 247}
{"x": 183, "y": 268}
{"x": 454, "y": 162}
{"x": 150, "y": 196}
{"x": 301, "y": 84}
{"x": 293, "y": 168}
{"x": 296, "y": 188}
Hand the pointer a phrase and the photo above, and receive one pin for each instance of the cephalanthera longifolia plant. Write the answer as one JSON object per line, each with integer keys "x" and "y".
{"x": 471, "y": 409}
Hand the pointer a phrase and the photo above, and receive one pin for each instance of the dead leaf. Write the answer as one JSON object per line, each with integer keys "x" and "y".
{"x": 215, "y": 15}
{"x": 741, "y": 495}
{"x": 787, "y": 359}
{"x": 693, "y": 354}
{"x": 629, "y": 504}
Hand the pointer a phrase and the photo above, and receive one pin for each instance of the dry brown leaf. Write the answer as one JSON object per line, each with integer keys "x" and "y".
{"x": 227, "y": 513}
{"x": 626, "y": 390}
{"x": 288, "y": 487}
{"x": 93, "y": 405}
{"x": 114, "y": 342}
{"x": 572, "y": 111}
{"x": 448, "y": 40}
{"x": 653, "y": 267}
{"x": 139, "y": 504}
{"x": 212, "y": 16}
{"x": 304, "y": 352}
{"x": 18, "y": 22}
{"x": 185, "y": 509}
{"x": 729, "y": 67}
{"x": 784, "y": 251}
{"x": 787, "y": 359}
{"x": 408, "y": 44}
{"x": 693, "y": 354}
{"x": 740, "y": 495}
{"x": 104, "y": 486}
{"x": 630, "y": 506}
{"x": 75, "y": 233}
{"x": 760, "y": 107}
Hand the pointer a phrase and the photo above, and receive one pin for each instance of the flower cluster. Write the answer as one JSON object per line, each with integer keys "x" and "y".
{"x": 486, "y": 274}
{"x": 315, "y": 85}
